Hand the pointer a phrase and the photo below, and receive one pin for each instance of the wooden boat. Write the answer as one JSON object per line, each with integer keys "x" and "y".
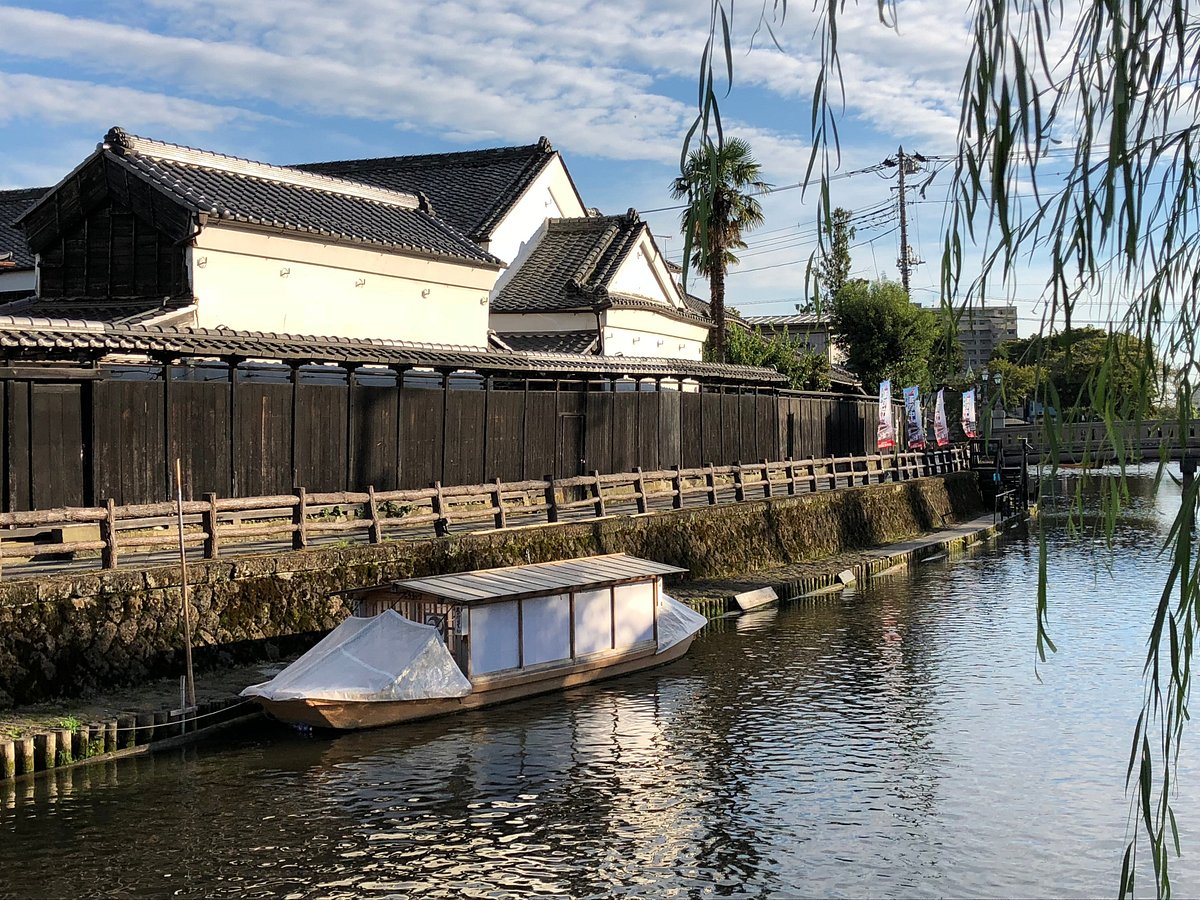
{"x": 428, "y": 647}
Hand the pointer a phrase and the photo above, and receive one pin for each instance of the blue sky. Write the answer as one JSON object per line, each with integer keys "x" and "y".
{"x": 611, "y": 85}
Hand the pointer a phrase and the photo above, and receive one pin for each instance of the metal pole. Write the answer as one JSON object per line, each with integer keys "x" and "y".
{"x": 187, "y": 616}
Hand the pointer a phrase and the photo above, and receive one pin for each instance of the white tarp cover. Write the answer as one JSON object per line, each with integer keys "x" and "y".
{"x": 365, "y": 660}
{"x": 676, "y": 622}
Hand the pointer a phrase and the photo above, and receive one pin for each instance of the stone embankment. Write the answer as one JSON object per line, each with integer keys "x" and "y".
{"x": 75, "y": 633}
{"x": 797, "y": 544}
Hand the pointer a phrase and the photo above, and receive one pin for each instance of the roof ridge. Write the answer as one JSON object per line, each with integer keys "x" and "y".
{"x": 121, "y": 142}
{"x": 581, "y": 279}
{"x": 542, "y": 145}
{"x": 629, "y": 237}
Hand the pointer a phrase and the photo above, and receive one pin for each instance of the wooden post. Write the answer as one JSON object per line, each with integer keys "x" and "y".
{"x": 43, "y": 751}
{"x": 791, "y": 475}
{"x": 145, "y": 727}
{"x": 639, "y": 486}
{"x": 676, "y": 488}
{"x": 739, "y": 487}
{"x": 812, "y": 476}
{"x": 598, "y": 494}
{"x": 375, "y": 533}
{"x": 212, "y": 544}
{"x": 62, "y": 747}
{"x": 110, "y": 736}
{"x": 833, "y": 473}
{"x": 8, "y": 759}
{"x": 551, "y": 500}
{"x": 95, "y": 738}
{"x": 300, "y": 520}
{"x": 766, "y": 479}
{"x": 438, "y": 502}
{"x": 79, "y": 743}
{"x": 710, "y": 481}
{"x": 26, "y": 756}
{"x": 500, "y": 520}
{"x": 125, "y": 732}
{"x": 183, "y": 586}
{"x": 108, "y": 533}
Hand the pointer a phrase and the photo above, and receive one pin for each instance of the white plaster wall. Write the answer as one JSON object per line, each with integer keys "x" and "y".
{"x": 335, "y": 289}
{"x": 543, "y": 322}
{"x": 643, "y": 273}
{"x": 21, "y": 280}
{"x": 550, "y": 196}
{"x": 636, "y": 332}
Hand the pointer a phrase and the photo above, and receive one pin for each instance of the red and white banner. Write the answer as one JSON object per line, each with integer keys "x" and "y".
{"x": 885, "y": 435}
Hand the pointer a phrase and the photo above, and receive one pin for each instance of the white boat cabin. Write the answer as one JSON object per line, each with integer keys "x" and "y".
{"x": 536, "y": 616}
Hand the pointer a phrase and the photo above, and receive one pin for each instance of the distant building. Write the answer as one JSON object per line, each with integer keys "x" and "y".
{"x": 808, "y": 327}
{"x": 981, "y": 329}
{"x": 18, "y": 269}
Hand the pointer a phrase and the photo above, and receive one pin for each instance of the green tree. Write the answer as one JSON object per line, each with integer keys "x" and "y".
{"x": 719, "y": 183}
{"x": 834, "y": 269}
{"x": 805, "y": 368}
{"x": 883, "y": 334}
{"x": 1078, "y": 141}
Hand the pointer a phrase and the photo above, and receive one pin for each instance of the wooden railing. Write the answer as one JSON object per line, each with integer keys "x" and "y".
{"x": 234, "y": 524}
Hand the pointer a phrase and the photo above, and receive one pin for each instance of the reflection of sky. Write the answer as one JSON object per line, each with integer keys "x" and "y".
{"x": 891, "y": 741}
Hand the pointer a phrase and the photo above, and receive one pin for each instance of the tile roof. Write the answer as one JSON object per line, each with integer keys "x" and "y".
{"x": 572, "y": 265}
{"x": 12, "y": 240}
{"x": 226, "y": 188}
{"x": 551, "y": 341}
{"x": 124, "y": 311}
{"x": 472, "y": 190}
{"x": 809, "y": 319}
{"x": 44, "y": 339}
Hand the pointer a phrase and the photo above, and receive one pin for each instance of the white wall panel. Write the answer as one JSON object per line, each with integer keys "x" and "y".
{"x": 494, "y": 637}
{"x": 593, "y": 622}
{"x": 634, "y": 613}
{"x": 546, "y": 625}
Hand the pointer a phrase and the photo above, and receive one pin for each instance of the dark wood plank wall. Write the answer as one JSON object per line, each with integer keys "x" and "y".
{"x": 80, "y": 442}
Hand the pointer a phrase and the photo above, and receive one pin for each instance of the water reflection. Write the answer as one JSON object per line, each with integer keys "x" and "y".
{"x": 892, "y": 740}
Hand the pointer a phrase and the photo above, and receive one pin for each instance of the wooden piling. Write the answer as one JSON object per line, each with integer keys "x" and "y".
{"x": 125, "y": 732}
{"x": 110, "y": 736}
{"x": 26, "y": 756}
{"x": 62, "y": 747}
{"x": 95, "y": 739}
{"x": 8, "y": 759}
{"x": 44, "y": 746}
{"x": 145, "y": 728}
{"x": 79, "y": 743}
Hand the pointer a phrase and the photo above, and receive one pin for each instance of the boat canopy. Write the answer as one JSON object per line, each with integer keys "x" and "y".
{"x": 676, "y": 622}
{"x": 537, "y": 579}
{"x": 386, "y": 657}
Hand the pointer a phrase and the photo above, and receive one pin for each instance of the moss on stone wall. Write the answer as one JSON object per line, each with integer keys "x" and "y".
{"x": 75, "y": 632}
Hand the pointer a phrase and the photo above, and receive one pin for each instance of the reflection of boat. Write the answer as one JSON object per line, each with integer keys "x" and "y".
{"x": 430, "y": 646}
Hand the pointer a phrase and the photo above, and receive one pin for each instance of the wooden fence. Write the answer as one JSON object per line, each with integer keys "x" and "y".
{"x": 75, "y": 437}
{"x": 235, "y": 523}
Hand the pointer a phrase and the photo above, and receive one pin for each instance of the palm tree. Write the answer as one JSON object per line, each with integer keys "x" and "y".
{"x": 714, "y": 181}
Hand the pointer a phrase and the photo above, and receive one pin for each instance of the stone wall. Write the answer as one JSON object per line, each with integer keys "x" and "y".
{"x": 72, "y": 633}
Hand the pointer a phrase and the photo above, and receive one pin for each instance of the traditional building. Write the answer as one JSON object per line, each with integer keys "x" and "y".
{"x": 18, "y": 269}
{"x": 412, "y": 248}
{"x": 597, "y": 285}
{"x": 148, "y": 231}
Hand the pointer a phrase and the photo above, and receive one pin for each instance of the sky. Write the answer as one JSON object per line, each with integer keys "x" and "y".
{"x": 613, "y": 87}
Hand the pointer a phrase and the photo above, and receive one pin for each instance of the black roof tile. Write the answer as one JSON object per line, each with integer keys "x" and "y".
{"x": 12, "y": 240}
{"x": 572, "y": 266}
{"x": 238, "y": 190}
{"x": 46, "y": 339}
{"x": 551, "y": 342}
{"x": 472, "y": 190}
{"x": 124, "y": 311}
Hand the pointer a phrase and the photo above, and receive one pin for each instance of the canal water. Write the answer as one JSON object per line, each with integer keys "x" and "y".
{"x": 892, "y": 741}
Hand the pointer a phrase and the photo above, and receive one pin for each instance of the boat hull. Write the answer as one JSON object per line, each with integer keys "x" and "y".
{"x": 343, "y": 715}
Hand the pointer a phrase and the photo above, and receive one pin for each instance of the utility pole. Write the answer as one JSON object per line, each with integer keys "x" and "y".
{"x": 907, "y": 164}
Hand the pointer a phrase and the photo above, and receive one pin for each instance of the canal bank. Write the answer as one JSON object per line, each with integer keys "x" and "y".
{"x": 59, "y": 735}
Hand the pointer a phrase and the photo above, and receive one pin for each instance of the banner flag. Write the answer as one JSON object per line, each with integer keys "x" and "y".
{"x": 885, "y": 435}
{"x": 970, "y": 428}
{"x": 912, "y": 416}
{"x": 941, "y": 428}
